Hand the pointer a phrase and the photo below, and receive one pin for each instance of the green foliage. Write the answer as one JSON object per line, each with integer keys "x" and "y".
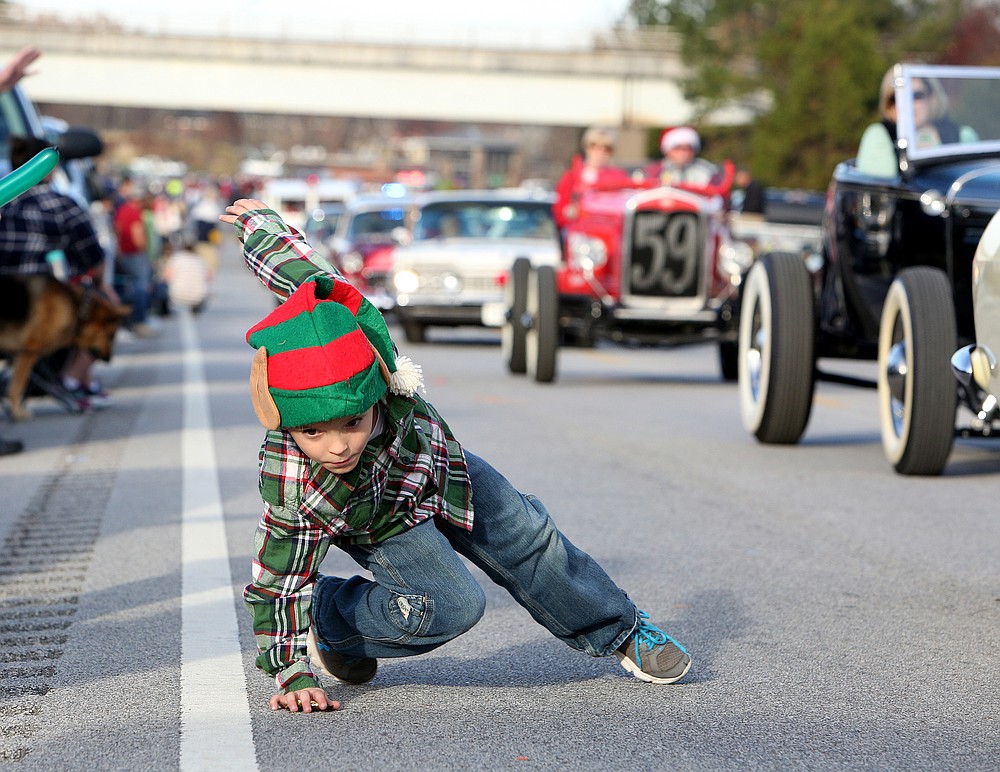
{"x": 808, "y": 71}
{"x": 828, "y": 68}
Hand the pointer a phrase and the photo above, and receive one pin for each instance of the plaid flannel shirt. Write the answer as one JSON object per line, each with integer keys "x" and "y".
{"x": 41, "y": 220}
{"x": 414, "y": 470}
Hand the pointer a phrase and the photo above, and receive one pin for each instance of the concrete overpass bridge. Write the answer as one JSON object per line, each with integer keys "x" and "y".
{"x": 629, "y": 80}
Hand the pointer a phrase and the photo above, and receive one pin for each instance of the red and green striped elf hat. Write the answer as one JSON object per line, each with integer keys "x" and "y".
{"x": 324, "y": 353}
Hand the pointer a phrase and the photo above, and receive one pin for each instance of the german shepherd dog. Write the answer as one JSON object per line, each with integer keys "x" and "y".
{"x": 40, "y": 315}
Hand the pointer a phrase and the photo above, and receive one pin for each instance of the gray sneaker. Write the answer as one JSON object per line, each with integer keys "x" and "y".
{"x": 350, "y": 670}
{"x": 651, "y": 655}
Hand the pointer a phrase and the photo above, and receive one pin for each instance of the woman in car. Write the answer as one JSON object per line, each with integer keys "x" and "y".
{"x": 592, "y": 170}
{"x": 877, "y": 150}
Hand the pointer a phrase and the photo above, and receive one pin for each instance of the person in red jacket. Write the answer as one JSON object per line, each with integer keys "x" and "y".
{"x": 133, "y": 266}
{"x": 591, "y": 170}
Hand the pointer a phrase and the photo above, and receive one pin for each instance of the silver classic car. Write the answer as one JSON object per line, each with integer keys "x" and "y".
{"x": 463, "y": 244}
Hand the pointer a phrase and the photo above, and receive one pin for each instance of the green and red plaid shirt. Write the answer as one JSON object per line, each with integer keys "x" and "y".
{"x": 412, "y": 471}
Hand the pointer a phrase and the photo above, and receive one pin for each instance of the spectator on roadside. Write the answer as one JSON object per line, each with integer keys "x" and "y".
{"x": 134, "y": 269}
{"x": 17, "y": 67}
{"x": 12, "y": 72}
{"x": 102, "y": 214}
{"x": 591, "y": 170}
{"x": 680, "y": 163}
{"x": 187, "y": 276}
{"x": 43, "y": 231}
{"x": 205, "y": 213}
{"x": 204, "y": 222}
{"x": 156, "y": 241}
{"x": 753, "y": 193}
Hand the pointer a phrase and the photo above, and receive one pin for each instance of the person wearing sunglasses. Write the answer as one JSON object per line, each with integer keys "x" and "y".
{"x": 877, "y": 150}
{"x": 591, "y": 170}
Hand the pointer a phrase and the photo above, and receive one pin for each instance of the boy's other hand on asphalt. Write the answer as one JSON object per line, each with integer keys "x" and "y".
{"x": 304, "y": 701}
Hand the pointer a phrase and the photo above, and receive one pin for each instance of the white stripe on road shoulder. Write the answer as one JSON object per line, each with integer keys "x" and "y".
{"x": 215, "y": 712}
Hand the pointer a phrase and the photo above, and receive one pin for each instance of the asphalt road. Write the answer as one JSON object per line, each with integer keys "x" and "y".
{"x": 839, "y": 616}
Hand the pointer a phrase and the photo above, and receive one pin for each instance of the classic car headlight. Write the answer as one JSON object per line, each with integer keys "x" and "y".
{"x": 586, "y": 252}
{"x": 734, "y": 258}
{"x": 353, "y": 262}
{"x": 406, "y": 281}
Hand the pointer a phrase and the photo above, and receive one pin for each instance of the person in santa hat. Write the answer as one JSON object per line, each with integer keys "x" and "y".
{"x": 680, "y": 164}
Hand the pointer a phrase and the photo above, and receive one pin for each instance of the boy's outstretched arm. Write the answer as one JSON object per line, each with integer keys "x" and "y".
{"x": 277, "y": 254}
{"x": 240, "y": 207}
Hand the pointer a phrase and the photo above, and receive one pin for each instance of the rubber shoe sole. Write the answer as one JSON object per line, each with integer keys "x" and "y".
{"x": 349, "y": 670}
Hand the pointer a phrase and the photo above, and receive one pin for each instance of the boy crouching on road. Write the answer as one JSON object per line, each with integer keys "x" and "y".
{"x": 355, "y": 457}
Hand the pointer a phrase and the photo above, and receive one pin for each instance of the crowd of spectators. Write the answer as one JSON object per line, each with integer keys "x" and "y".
{"x": 150, "y": 245}
{"x": 146, "y": 243}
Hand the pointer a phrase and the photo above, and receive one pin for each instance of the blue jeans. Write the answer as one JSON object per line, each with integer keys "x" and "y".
{"x": 135, "y": 272}
{"x": 423, "y": 595}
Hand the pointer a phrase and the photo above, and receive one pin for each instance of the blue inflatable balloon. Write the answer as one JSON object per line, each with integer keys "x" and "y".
{"x": 27, "y": 175}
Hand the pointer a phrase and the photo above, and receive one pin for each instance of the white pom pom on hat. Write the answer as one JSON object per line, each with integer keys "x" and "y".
{"x": 408, "y": 378}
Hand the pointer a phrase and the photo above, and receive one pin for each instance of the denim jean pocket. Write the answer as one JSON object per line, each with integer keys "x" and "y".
{"x": 412, "y": 614}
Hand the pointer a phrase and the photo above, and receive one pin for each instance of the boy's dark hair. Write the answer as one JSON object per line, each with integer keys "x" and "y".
{"x": 23, "y": 149}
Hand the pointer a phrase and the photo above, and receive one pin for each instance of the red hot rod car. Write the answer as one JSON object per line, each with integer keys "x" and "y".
{"x": 640, "y": 265}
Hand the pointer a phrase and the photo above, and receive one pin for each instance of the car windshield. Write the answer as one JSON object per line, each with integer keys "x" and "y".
{"x": 485, "y": 219}
{"x": 378, "y": 225}
{"x": 948, "y": 111}
{"x": 322, "y": 221}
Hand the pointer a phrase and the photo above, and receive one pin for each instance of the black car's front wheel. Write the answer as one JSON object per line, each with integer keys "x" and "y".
{"x": 513, "y": 336}
{"x": 917, "y": 393}
{"x": 776, "y": 355}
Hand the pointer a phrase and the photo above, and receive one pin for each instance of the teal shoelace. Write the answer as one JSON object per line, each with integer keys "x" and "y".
{"x": 652, "y": 636}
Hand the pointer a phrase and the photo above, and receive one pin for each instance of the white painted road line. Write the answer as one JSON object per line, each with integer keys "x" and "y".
{"x": 215, "y": 712}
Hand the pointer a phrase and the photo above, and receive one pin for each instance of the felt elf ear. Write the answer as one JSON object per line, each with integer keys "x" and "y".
{"x": 263, "y": 402}
{"x": 382, "y": 366}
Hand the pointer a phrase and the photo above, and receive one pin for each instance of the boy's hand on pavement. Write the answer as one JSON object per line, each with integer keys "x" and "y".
{"x": 304, "y": 701}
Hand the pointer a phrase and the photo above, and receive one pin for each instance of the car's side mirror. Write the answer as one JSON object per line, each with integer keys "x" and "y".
{"x": 79, "y": 143}
{"x": 402, "y": 236}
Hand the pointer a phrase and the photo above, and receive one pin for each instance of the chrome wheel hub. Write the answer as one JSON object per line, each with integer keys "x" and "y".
{"x": 755, "y": 360}
{"x": 896, "y": 373}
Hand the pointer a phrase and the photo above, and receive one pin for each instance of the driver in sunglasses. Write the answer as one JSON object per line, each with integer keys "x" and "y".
{"x": 877, "y": 150}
